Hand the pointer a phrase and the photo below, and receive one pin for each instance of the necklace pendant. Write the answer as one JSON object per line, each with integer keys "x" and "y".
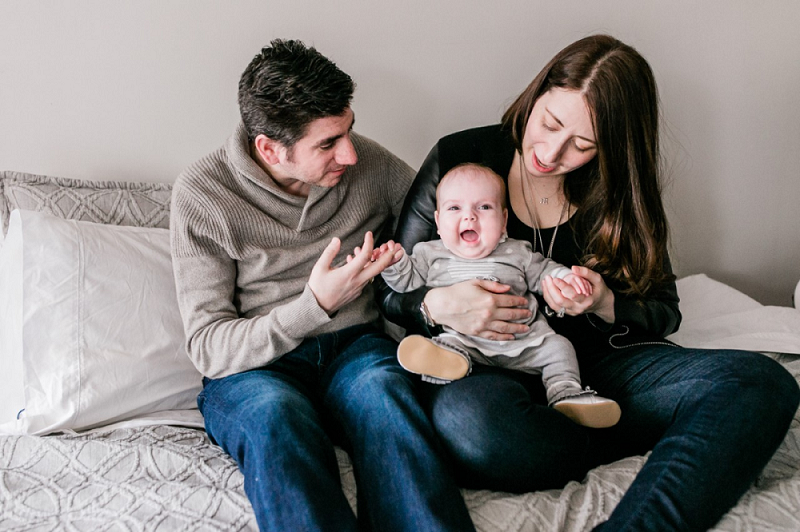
{"x": 543, "y": 201}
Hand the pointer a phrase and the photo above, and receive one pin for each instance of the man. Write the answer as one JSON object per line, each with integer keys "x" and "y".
{"x": 284, "y": 327}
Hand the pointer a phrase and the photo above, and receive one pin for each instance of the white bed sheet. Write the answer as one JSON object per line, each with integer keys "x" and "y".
{"x": 136, "y": 476}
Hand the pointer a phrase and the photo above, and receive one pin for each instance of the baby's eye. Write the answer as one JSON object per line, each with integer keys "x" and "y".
{"x": 486, "y": 207}
{"x": 453, "y": 208}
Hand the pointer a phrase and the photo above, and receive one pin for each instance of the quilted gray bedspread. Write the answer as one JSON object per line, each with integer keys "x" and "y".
{"x": 164, "y": 478}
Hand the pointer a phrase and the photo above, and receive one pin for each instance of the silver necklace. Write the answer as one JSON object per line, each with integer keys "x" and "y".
{"x": 537, "y": 233}
{"x": 543, "y": 200}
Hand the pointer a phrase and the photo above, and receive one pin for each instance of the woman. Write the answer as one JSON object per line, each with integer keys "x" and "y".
{"x": 579, "y": 151}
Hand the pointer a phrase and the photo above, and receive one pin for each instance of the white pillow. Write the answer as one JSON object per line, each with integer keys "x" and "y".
{"x": 796, "y": 297}
{"x": 90, "y": 331}
{"x": 717, "y": 316}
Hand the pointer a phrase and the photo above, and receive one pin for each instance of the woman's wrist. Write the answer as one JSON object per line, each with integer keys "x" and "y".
{"x": 605, "y": 310}
{"x": 428, "y": 306}
{"x": 428, "y": 317}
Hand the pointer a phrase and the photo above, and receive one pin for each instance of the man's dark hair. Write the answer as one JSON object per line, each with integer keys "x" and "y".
{"x": 286, "y": 87}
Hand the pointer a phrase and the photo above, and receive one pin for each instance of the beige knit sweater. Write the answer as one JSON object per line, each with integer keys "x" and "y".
{"x": 243, "y": 249}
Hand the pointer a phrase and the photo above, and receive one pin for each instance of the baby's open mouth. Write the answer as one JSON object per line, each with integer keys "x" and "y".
{"x": 469, "y": 236}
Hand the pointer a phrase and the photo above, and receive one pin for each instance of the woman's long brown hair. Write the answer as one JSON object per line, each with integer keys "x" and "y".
{"x": 618, "y": 193}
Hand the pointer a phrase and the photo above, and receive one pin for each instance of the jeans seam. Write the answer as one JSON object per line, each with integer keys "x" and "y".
{"x": 324, "y": 361}
{"x": 320, "y": 359}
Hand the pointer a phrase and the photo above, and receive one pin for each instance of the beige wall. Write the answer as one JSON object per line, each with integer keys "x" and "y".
{"x": 137, "y": 90}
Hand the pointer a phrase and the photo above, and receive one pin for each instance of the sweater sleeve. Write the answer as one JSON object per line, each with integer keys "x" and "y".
{"x": 219, "y": 341}
{"x": 410, "y": 272}
{"x": 538, "y": 266}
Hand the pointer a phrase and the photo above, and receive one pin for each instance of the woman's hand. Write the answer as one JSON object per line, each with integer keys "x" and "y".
{"x": 479, "y": 308}
{"x": 558, "y": 294}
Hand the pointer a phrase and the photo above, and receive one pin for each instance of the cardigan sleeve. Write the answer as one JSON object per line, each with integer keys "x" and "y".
{"x": 657, "y": 315}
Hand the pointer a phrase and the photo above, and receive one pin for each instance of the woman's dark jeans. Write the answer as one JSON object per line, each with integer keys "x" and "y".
{"x": 712, "y": 418}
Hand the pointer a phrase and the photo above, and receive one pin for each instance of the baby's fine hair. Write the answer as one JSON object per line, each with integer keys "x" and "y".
{"x": 476, "y": 168}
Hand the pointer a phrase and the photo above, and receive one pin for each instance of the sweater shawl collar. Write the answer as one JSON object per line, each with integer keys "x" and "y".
{"x": 294, "y": 212}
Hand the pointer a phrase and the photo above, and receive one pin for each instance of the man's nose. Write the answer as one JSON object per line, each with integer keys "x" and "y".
{"x": 346, "y": 153}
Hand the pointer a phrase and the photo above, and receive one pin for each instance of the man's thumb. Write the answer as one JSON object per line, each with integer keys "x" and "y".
{"x": 328, "y": 254}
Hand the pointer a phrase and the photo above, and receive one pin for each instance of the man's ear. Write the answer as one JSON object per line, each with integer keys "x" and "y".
{"x": 268, "y": 150}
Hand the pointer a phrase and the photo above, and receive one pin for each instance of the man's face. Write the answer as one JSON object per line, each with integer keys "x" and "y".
{"x": 320, "y": 157}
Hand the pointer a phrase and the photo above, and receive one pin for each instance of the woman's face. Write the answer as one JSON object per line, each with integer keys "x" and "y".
{"x": 559, "y": 137}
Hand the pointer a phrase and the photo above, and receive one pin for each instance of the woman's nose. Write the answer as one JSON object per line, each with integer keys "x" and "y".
{"x": 551, "y": 153}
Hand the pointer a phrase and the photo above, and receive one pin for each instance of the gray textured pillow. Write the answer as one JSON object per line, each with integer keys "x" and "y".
{"x": 106, "y": 202}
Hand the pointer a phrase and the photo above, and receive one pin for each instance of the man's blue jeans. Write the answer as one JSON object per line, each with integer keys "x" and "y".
{"x": 280, "y": 424}
{"x": 712, "y": 419}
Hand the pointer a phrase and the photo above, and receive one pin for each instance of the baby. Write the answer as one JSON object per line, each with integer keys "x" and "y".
{"x": 471, "y": 220}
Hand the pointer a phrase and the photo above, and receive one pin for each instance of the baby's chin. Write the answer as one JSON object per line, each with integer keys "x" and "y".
{"x": 468, "y": 252}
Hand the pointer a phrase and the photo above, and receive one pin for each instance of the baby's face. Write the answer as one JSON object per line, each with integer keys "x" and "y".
{"x": 470, "y": 216}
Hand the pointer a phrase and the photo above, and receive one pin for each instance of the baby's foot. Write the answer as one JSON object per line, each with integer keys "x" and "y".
{"x": 434, "y": 362}
{"x": 587, "y": 408}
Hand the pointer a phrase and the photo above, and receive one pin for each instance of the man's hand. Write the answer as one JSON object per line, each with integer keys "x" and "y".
{"x": 336, "y": 287}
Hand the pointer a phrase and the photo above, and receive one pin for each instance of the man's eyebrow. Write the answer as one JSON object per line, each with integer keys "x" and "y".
{"x": 554, "y": 117}
{"x": 331, "y": 140}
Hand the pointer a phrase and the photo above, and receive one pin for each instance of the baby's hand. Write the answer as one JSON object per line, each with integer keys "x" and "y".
{"x": 581, "y": 285}
{"x": 389, "y": 247}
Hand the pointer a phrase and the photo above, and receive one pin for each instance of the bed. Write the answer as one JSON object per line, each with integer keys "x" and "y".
{"x": 98, "y": 427}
